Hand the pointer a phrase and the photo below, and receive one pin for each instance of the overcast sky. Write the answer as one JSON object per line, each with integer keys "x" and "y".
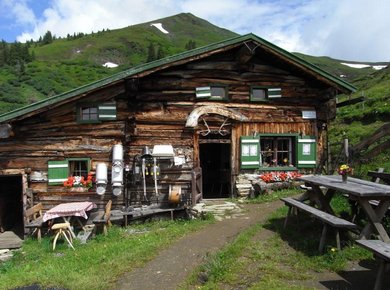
{"x": 345, "y": 29}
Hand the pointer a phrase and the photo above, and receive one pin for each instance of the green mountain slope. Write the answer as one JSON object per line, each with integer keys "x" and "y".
{"x": 337, "y": 68}
{"x": 128, "y": 46}
{"x": 71, "y": 62}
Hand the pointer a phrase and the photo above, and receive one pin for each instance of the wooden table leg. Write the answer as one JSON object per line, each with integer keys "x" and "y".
{"x": 380, "y": 275}
{"x": 67, "y": 220}
{"x": 322, "y": 199}
{"x": 375, "y": 217}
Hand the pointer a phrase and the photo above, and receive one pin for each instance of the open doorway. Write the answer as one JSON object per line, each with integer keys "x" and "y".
{"x": 215, "y": 164}
{"x": 11, "y": 205}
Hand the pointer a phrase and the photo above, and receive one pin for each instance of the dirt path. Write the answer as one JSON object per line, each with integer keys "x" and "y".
{"x": 174, "y": 264}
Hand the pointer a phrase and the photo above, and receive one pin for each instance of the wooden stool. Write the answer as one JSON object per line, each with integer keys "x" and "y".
{"x": 62, "y": 229}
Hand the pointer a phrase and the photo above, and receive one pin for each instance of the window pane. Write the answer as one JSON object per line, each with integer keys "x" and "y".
{"x": 78, "y": 168}
{"x": 245, "y": 150}
{"x": 282, "y": 158}
{"x": 259, "y": 95}
{"x": 267, "y": 151}
{"x": 283, "y": 144}
{"x": 219, "y": 92}
{"x": 93, "y": 110}
{"x": 85, "y": 117}
{"x": 89, "y": 113}
{"x": 85, "y": 111}
{"x": 276, "y": 151}
{"x": 253, "y": 150}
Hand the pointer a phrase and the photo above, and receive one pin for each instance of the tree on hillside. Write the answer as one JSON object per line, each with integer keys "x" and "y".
{"x": 47, "y": 38}
{"x": 14, "y": 53}
{"x": 191, "y": 44}
{"x": 4, "y": 53}
{"x": 160, "y": 53}
{"x": 151, "y": 53}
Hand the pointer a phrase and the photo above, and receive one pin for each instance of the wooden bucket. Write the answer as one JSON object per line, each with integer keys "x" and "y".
{"x": 174, "y": 196}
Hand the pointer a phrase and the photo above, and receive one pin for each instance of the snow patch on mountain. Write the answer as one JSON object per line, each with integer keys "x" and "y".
{"x": 361, "y": 65}
{"x": 160, "y": 27}
{"x": 378, "y": 67}
{"x": 110, "y": 64}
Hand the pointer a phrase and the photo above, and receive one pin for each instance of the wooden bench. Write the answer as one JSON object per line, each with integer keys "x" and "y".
{"x": 34, "y": 219}
{"x": 102, "y": 220}
{"x": 381, "y": 251}
{"x": 326, "y": 218}
{"x": 379, "y": 175}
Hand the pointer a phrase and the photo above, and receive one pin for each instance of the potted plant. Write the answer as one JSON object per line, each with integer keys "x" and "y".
{"x": 344, "y": 170}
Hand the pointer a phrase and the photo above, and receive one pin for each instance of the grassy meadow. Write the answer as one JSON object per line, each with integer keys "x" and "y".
{"x": 95, "y": 265}
{"x": 278, "y": 260}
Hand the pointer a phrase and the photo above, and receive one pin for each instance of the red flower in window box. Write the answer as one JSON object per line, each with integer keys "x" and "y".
{"x": 79, "y": 181}
{"x": 279, "y": 176}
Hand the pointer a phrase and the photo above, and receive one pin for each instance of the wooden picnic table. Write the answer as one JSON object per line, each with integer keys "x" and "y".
{"x": 70, "y": 212}
{"x": 324, "y": 187}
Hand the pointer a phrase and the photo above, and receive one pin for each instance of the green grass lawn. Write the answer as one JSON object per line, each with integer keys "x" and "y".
{"x": 283, "y": 259}
{"x": 280, "y": 259}
{"x": 95, "y": 265}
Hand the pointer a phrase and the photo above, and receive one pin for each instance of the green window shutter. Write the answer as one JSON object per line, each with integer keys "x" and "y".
{"x": 107, "y": 111}
{"x": 274, "y": 93}
{"x": 307, "y": 148}
{"x": 57, "y": 171}
{"x": 250, "y": 152}
{"x": 203, "y": 92}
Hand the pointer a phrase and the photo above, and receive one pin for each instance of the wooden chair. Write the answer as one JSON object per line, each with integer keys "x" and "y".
{"x": 102, "y": 220}
{"x": 62, "y": 229}
{"x": 34, "y": 220}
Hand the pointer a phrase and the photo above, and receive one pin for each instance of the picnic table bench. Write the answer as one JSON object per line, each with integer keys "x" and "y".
{"x": 326, "y": 218}
{"x": 381, "y": 251}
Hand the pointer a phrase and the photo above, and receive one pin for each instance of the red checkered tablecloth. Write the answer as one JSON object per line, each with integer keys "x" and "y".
{"x": 69, "y": 209}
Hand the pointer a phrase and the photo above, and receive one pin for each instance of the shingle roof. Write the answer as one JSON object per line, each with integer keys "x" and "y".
{"x": 181, "y": 57}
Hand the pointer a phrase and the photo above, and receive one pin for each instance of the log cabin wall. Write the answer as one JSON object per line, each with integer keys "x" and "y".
{"x": 55, "y": 135}
{"x": 160, "y": 103}
{"x": 152, "y": 109}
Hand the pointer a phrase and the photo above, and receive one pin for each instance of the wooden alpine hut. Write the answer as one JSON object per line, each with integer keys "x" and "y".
{"x": 171, "y": 131}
